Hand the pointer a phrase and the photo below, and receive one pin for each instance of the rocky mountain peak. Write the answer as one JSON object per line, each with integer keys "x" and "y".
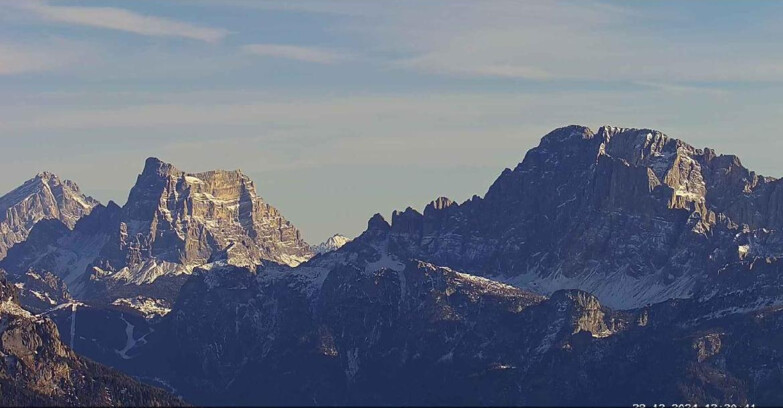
{"x": 185, "y": 217}
{"x": 156, "y": 167}
{"x": 176, "y": 208}
{"x": 45, "y": 176}
{"x": 172, "y": 222}
{"x": 377, "y": 223}
{"x": 162, "y": 181}
{"x": 332, "y": 243}
{"x": 630, "y": 215}
{"x": 567, "y": 135}
{"x": 440, "y": 203}
{"x": 622, "y": 152}
{"x": 408, "y": 221}
{"x": 45, "y": 196}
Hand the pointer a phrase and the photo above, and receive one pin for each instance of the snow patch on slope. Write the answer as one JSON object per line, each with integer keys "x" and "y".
{"x": 617, "y": 290}
{"x": 148, "y": 272}
{"x": 130, "y": 342}
{"x": 334, "y": 243}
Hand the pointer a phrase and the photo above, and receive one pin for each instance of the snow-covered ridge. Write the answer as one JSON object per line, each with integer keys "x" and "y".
{"x": 333, "y": 243}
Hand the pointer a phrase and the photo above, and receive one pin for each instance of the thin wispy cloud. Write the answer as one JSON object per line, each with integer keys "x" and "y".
{"x": 433, "y": 63}
{"x": 123, "y": 20}
{"x": 297, "y": 53}
{"x": 674, "y": 89}
{"x": 16, "y": 61}
{"x": 557, "y": 40}
{"x": 24, "y": 58}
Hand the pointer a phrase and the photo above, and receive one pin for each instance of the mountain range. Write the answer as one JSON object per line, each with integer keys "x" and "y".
{"x": 607, "y": 268}
{"x": 172, "y": 222}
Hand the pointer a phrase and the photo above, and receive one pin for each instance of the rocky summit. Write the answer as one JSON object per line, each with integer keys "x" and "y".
{"x": 45, "y": 196}
{"x": 629, "y": 215}
{"x": 332, "y": 243}
{"x": 171, "y": 223}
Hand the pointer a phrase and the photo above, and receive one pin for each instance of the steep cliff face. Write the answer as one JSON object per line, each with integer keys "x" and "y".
{"x": 36, "y": 368}
{"x": 45, "y": 196}
{"x": 172, "y": 222}
{"x": 178, "y": 220}
{"x": 185, "y": 218}
{"x": 630, "y": 215}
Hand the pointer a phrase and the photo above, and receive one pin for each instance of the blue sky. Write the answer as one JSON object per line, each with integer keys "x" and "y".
{"x": 340, "y": 109}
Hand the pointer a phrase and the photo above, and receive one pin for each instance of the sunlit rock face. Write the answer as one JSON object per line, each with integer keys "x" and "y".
{"x": 172, "y": 222}
{"x": 189, "y": 218}
{"x": 332, "y": 243}
{"x": 45, "y": 196}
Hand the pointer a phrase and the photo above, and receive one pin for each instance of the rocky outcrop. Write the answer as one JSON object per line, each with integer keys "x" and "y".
{"x": 45, "y": 196}
{"x": 36, "y": 368}
{"x": 41, "y": 291}
{"x": 172, "y": 222}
